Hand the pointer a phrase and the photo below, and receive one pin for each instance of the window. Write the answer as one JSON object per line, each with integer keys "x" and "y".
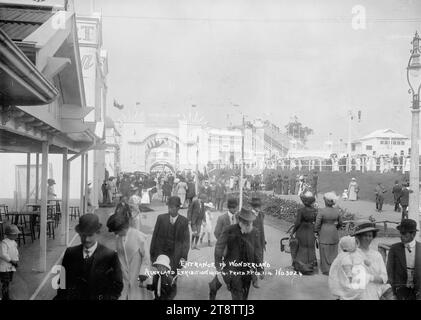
{"x": 403, "y": 143}
{"x": 368, "y": 147}
{"x": 394, "y": 142}
{"x": 381, "y": 142}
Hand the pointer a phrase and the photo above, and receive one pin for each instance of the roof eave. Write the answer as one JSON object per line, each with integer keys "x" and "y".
{"x": 25, "y": 72}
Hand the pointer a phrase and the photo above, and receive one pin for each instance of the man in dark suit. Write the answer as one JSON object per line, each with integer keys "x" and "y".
{"x": 404, "y": 263}
{"x": 171, "y": 235}
{"x": 397, "y": 191}
{"x": 92, "y": 271}
{"x": 404, "y": 200}
{"x": 239, "y": 247}
{"x": 256, "y": 204}
{"x": 195, "y": 216}
{"x": 227, "y": 218}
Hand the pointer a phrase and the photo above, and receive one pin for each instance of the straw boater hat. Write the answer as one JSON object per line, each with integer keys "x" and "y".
{"x": 163, "y": 260}
{"x": 407, "y": 225}
{"x": 365, "y": 226}
{"x": 353, "y": 179}
{"x": 88, "y": 224}
{"x": 246, "y": 215}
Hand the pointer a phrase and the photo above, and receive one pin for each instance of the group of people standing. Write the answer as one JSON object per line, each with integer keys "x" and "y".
{"x": 295, "y": 184}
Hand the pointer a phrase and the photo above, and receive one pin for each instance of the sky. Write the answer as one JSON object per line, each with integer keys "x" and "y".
{"x": 272, "y": 59}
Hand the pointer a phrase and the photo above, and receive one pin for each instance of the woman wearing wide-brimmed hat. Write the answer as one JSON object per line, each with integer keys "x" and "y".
{"x": 328, "y": 221}
{"x": 51, "y": 194}
{"x": 376, "y": 275}
{"x": 305, "y": 259}
{"x": 133, "y": 253}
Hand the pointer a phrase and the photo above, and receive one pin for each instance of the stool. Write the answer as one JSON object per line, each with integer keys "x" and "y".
{"x": 50, "y": 229}
{"x": 74, "y": 213}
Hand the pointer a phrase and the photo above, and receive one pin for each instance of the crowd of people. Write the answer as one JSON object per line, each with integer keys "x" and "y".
{"x": 144, "y": 268}
{"x": 362, "y": 163}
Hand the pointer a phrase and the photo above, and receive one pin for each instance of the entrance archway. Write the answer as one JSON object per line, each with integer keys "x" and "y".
{"x": 162, "y": 166}
{"x": 162, "y": 149}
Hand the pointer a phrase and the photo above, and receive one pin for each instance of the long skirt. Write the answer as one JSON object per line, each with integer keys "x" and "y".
{"x": 182, "y": 198}
{"x": 328, "y": 253}
{"x": 306, "y": 244}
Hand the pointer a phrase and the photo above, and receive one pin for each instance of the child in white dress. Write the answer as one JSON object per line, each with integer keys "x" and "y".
{"x": 207, "y": 223}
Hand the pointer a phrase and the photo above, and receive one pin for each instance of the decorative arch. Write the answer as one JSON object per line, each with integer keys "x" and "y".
{"x": 156, "y": 140}
{"x": 164, "y": 164}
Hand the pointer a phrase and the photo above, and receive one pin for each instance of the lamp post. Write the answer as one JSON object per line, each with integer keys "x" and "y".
{"x": 414, "y": 81}
{"x": 242, "y": 165}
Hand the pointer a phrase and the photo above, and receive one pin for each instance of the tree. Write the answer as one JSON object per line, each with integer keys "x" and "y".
{"x": 296, "y": 130}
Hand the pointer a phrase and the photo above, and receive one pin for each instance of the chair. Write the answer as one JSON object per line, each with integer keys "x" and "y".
{"x": 4, "y": 210}
{"x": 16, "y": 219}
{"x": 74, "y": 212}
{"x": 50, "y": 227}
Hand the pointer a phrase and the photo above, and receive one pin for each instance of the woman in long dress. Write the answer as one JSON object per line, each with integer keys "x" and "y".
{"x": 304, "y": 232}
{"x": 353, "y": 190}
{"x": 133, "y": 253}
{"x": 181, "y": 191}
{"x": 134, "y": 203}
{"x": 328, "y": 221}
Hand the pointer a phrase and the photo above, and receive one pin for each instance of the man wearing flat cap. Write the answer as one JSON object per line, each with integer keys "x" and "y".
{"x": 93, "y": 272}
{"x": 404, "y": 263}
{"x": 171, "y": 235}
{"x": 239, "y": 247}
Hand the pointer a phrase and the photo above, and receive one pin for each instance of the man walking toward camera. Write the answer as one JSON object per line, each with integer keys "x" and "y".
{"x": 93, "y": 271}
{"x": 239, "y": 247}
{"x": 404, "y": 263}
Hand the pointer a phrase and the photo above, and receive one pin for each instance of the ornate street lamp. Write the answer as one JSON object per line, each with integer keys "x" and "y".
{"x": 414, "y": 81}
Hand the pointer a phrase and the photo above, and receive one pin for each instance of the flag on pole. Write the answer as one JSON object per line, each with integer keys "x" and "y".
{"x": 359, "y": 116}
{"x": 117, "y": 105}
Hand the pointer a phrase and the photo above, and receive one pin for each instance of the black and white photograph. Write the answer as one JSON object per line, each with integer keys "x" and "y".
{"x": 205, "y": 150}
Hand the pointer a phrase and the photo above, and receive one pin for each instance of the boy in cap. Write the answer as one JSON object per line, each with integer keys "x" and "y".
{"x": 9, "y": 258}
{"x": 404, "y": 263}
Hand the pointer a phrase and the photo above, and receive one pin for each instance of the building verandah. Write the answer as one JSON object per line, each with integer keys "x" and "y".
{"x": 42, "y": 105}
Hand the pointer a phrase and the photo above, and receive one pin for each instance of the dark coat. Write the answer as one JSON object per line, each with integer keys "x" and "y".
{"x": 404, "y": 198}
{"x": 396, "y": 267}
{"x": 196, "y": 212}
{"x": 182, "y": 239}
{"x": 234, "y": 246}
{"x": 105, "y": 279}
{"x": 259, "y": 225}
{"x": 191, "y": 191}
{"x": 222, "y": 222}
{"x": 397, "y": 192}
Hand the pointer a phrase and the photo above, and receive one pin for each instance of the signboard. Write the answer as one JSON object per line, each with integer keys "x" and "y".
{"x": 87, "y": 32}
{"x": 89, "y": 61}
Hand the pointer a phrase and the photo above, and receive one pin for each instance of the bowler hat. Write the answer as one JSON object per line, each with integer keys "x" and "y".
{"x": 232, "y": 203}
{"x": 12, "y": 229}
{"x": 364, "y": 227}
{"x": 246, "y": 215}
{"x": 51, "y": 181}
{"x": 407, "y": 225}
{"x": 174, "y": 201}
{"x": 88, "y": 224}
{"x": 255, "y": 202}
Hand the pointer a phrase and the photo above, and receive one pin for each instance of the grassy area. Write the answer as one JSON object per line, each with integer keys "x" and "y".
{"x": 336, "y": 181}
{"x": 339, "y": 181}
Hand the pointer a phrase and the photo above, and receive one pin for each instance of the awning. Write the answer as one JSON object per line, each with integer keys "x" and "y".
{"x": 21, "y": 83}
